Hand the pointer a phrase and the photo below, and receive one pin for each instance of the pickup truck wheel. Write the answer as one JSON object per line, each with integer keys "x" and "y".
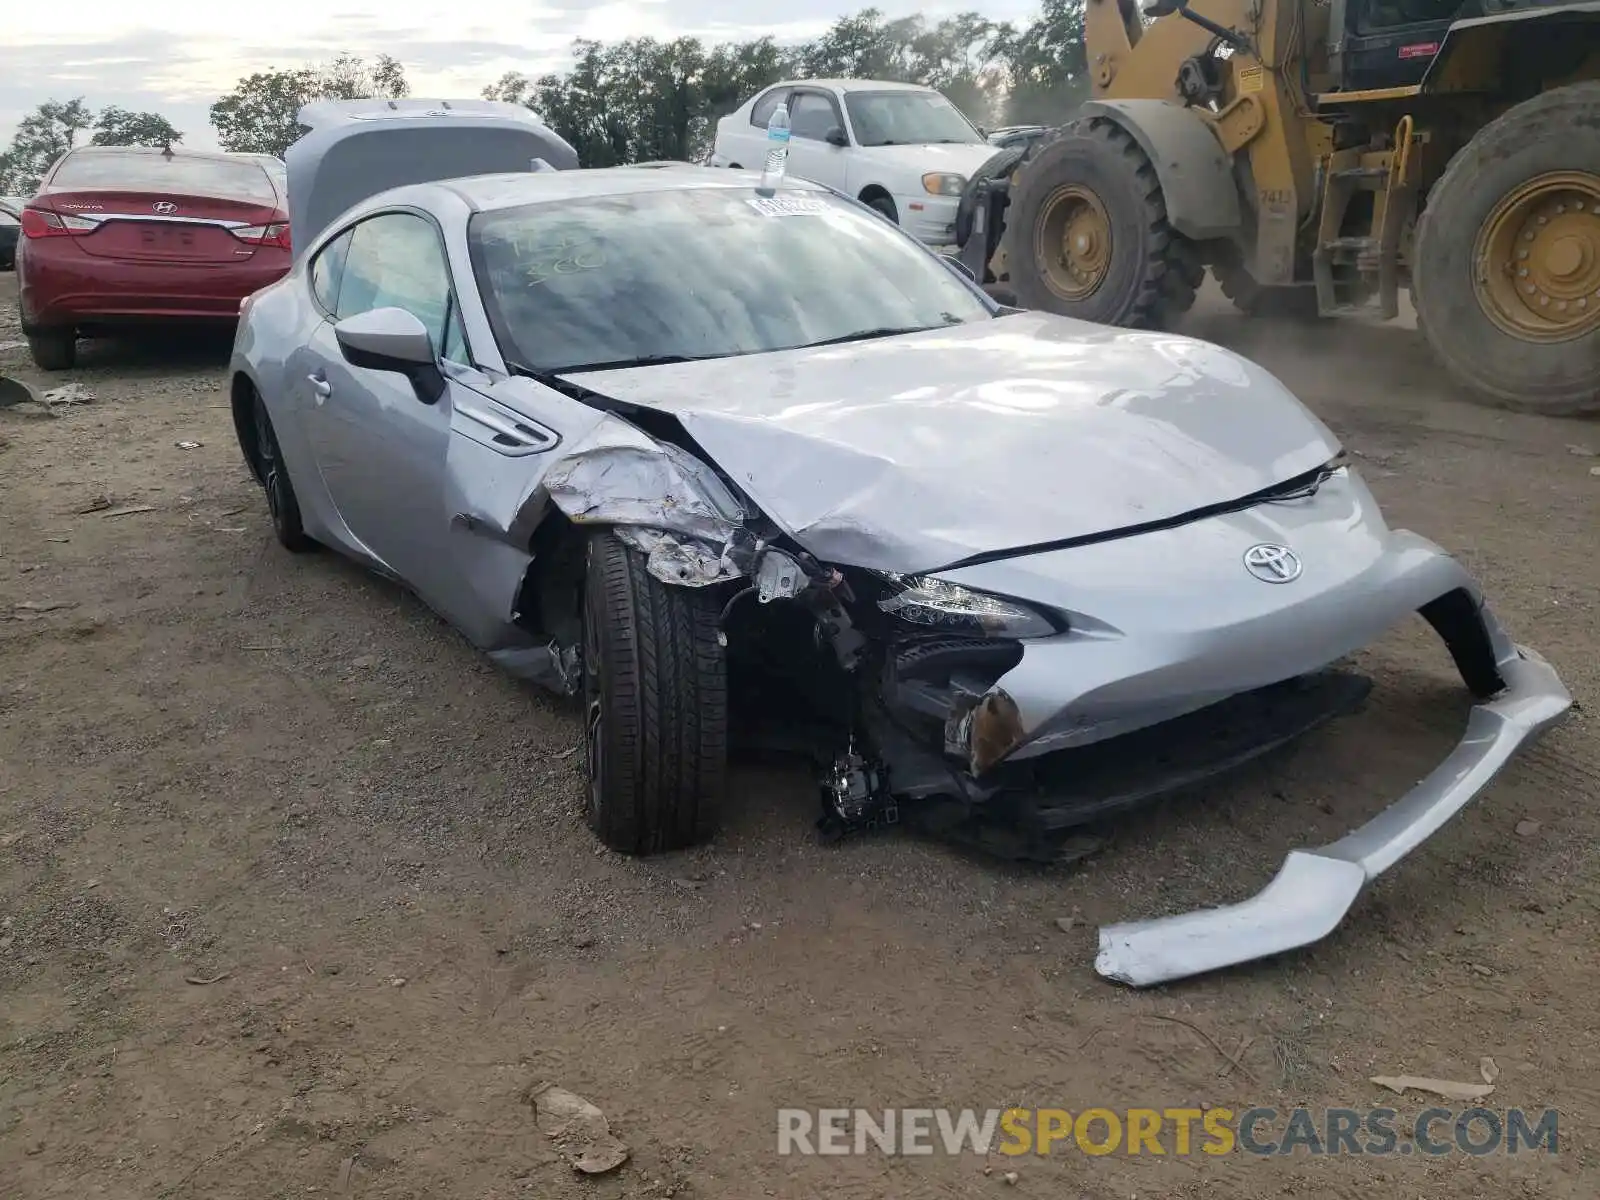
{"x": 54, "y": 349}
{"x": 655, "y": 703}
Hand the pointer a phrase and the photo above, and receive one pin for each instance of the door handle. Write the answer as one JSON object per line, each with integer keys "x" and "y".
{"x": 320, "y": 385}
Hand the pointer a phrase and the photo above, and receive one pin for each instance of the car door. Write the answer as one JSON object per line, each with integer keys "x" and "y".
{"x": 812, "y": 115}
{"x": 380, "y": 448}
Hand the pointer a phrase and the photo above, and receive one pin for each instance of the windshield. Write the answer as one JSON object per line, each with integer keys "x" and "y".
{"x": 907, "y": 119}
{"x": 701, "y": 273}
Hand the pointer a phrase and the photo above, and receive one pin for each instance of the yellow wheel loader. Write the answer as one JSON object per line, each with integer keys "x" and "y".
{"x": 1318, "y": 156}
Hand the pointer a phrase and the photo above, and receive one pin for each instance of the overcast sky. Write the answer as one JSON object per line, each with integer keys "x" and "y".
{"x": 177, "y": 56}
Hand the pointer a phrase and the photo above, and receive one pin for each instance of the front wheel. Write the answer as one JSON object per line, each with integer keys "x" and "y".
{"x": 1092, "y": 237}
{"x": 885, "y": 206}
{"x": 1506, "y": 281}
{"x": 655, "y": 705}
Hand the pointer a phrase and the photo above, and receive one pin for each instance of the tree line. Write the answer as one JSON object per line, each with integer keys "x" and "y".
{"x": 638, "y": 99}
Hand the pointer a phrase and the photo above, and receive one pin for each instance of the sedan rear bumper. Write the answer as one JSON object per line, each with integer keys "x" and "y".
{"x": 1314, "y": 889}
{"x": 62, "y": 286}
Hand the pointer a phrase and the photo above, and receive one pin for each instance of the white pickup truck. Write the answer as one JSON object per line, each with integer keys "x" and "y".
{"x": 902, "y": 148}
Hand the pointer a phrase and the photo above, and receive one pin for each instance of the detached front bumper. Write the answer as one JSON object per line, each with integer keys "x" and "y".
{"x": 1314, "y": 889}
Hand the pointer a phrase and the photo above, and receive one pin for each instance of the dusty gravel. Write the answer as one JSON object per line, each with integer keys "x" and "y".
{"x": 220, "y": 760}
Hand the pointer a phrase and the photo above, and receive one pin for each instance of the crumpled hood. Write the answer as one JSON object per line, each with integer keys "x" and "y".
{"x": 913, "y": 452}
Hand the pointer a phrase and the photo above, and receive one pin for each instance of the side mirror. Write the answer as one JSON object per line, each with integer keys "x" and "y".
{"x": 835, "y": 137}
{"x": 391, "y": 339}
{"x": 955, "y": 264}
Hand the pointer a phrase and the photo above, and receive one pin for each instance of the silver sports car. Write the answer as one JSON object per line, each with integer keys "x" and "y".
{"x": 725, "y": 461}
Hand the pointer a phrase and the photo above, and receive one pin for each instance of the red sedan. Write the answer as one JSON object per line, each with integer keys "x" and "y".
{"x": 123, "y": 236}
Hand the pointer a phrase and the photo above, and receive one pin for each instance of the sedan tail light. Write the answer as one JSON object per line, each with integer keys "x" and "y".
{"x": 42, "y": 223}
{"x": 265, "y": 235}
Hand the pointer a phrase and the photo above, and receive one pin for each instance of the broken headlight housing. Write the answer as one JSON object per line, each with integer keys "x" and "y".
{"x": 936, "y": 604}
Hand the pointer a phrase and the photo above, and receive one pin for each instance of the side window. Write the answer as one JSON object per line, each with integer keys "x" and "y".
{"x": 327, "y": 269}
{"x": 766, "y": 106}
{"x": 1396, "y": 14}
{"x": 395, "y": 260}
{"x": 811, "y": 115}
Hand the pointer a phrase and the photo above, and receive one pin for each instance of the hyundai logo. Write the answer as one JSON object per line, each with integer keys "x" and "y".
{"x": 1272, "y": 564}
{"x": 164, "y": 207}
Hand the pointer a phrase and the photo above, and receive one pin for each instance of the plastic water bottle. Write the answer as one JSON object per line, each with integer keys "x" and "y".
{"x": 777, "y": 148}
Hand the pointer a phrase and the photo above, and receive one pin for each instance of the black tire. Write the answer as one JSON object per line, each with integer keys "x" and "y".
{"x": 1556, "y": 131}
{"x": 655, "y": 691}
{"x": 885, "y": 205}
{"x": 282, "y": 503}
{"x": 999, "y": 164}
{"x": 54, "y": 349}
{"x": 1254, "y": 300}
{"x": 1153, "y": 270}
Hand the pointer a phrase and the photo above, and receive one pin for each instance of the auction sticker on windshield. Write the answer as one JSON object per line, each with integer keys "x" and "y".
{"x": 787, "y": 206}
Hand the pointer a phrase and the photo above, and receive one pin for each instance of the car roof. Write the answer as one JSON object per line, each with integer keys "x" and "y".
{"x": 485, "y": 193}
{"x": 854, "y": 85}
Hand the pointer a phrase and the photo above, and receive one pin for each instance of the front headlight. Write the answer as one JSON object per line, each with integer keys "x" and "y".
{"x": 936, "y": 604}
{"x": 938, "y": 183}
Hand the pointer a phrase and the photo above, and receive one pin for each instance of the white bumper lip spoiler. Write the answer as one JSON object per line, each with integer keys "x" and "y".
{"x": 1314, "y": 889}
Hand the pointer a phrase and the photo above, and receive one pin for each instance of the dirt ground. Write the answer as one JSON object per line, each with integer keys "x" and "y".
{"x": 221, "y": 762}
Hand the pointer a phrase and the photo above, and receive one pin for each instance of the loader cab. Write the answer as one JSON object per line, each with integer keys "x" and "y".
{"x": 1391, "y": 43}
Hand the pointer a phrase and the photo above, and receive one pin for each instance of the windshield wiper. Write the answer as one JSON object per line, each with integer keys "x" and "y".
{"x": 550, "y": 380}
{"x": 883, "y": 331}
{"x": 642, "y": 360}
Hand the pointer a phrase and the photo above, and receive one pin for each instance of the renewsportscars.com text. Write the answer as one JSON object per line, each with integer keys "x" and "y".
{"x": 1175, "y": 1132}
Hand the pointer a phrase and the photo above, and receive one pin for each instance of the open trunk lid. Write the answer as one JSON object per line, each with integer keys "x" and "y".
{"x": 354, "y": 149}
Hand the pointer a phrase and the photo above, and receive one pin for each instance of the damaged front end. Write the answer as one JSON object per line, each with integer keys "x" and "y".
{"x": 886, "y": 681}
{"x": 936, "y": 703}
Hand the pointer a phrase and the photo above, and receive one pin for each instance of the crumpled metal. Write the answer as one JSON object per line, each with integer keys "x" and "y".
{"x": 648, "y": 483}
{"x": 685, "y": 561}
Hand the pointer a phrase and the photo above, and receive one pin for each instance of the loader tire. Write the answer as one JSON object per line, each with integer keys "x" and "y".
{"x": 1123, "y": 263}
{"x": 1514, "y": 199}
{"x": 999, "y": 164}
{"x": 1254, "y": 299}
{"x": 655, "y": 694}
